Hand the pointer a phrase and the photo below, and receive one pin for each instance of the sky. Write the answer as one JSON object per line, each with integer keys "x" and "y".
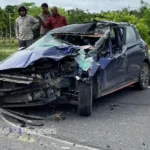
{"x": 91, "y": 5}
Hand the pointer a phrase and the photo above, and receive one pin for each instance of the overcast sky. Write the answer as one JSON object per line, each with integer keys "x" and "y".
{"x": 91, "y": 5}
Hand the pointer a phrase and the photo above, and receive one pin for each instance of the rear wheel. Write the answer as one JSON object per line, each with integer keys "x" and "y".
{"x": 85, "y": 98}
{"x": 144, "y": 77}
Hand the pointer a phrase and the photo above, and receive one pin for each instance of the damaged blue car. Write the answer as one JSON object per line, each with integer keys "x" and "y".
{"x": 78, "y": 63}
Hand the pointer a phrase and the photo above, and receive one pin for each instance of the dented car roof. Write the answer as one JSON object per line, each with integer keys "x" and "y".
{"x": 76, "y": 28}
{"x": 86, "y": 28}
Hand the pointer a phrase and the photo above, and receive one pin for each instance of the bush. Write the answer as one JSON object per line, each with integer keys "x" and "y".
{"x": 143, "y": 30}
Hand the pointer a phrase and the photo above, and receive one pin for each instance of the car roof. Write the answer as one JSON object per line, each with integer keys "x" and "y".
{"x": 86, "y": 28}
{"x": 112, "y": 23}
{"x": 81, "y": 28}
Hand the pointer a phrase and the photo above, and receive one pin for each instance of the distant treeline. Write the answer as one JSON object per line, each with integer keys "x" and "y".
{"x": 140, "y": 18}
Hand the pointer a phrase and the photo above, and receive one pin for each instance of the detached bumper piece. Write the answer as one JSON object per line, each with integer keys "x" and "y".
{"x": 30, "y": 120}
{"x": 18, "y": 91}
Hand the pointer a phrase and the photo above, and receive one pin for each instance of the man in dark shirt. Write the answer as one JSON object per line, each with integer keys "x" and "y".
{"x": 44, "y": 16}
{"x": 55, "y": 20}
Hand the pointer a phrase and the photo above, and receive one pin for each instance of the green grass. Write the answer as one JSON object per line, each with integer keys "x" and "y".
{"x": 5, "y": 42}
{"x": 149, "y": 52}
{"x": 5, "y": 52}
{"x": 7, "y": 47}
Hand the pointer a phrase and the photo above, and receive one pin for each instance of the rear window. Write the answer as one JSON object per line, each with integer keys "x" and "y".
{"x": 130, "y": 35}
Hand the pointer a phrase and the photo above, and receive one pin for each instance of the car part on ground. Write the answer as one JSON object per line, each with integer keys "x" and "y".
{"x": 20, "y": 118}
{"x": 24, "y": 115}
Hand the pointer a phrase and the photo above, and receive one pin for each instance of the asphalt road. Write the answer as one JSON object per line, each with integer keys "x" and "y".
{"x": 120, "y": 121}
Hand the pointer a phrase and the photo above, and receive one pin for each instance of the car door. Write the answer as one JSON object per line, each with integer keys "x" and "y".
{"x": 135, "y": 53}
{"x": 113, "y": 73}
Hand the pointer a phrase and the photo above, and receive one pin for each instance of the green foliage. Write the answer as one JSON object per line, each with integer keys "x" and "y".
{"x": 140, "y": 17}
{"x": 146, "y": 16}
{"x": 143, "y": 30}
{"x": 7, "y": 47}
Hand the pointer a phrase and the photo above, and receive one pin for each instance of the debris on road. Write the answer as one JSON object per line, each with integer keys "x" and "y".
{"x": 27, "y": 116}
{"x": 57, "y": 117}
{"x": 22, "y": 119}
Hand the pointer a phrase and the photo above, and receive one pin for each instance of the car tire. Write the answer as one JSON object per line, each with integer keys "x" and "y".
{"x": 143, "y": 78}
{"x": 85, "y": 98}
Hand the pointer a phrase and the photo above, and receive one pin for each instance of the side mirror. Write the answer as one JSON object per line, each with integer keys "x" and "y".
{"x": 21, "y": 48}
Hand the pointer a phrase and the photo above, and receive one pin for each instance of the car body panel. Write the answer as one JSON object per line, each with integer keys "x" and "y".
{"x": 114, "y": 72}
{"x": 135, "y": 56}
{"x": 110, "y": 63}
{"x": 24, "y": 58}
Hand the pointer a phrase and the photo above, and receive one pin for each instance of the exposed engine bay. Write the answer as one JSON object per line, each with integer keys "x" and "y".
{"x": 44, "y": 82}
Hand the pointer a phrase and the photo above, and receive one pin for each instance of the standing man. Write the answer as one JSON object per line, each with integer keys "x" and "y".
{"x": 44, "y": 16}
{"x": 25, "y": 26}
{"x": 55, "y": 20}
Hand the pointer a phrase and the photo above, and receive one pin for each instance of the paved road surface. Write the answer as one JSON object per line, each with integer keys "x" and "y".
{"x": 120, "y": 121}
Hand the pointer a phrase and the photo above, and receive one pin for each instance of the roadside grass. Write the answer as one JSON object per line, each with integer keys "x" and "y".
{"x": 149, "y": 52}
{"x": 5, "y": 52}
{"x": 7, "y": 47}
{"x": 5, "y": 42}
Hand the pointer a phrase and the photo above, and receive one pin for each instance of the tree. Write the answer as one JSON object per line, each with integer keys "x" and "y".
{"x": 144, "y": 6}
{"x": 140, "y": 17}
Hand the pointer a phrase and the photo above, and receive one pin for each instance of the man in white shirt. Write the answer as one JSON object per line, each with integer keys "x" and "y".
{"x": 25, "y": 26}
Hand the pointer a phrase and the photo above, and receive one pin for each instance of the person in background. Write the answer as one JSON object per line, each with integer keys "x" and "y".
{"x": 44, "y": 16}
{"x": 25, "y": 26}
{"x": 55, "y": 20}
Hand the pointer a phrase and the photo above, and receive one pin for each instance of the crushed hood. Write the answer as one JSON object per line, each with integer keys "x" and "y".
{"x": 24, "y": 58}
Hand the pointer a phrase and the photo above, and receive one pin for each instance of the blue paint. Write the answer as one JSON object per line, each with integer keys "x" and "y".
{"x": 104, "y": 62}
{"x": 10, "y": 129}
{"x": 24, "y": 58}
{"x": 94, "y": 68}
{"x": 19, "y": 131}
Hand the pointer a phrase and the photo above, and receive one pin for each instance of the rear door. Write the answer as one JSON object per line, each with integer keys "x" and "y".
{"x": 114, "y": 72}
{"x": 135, "y": 51}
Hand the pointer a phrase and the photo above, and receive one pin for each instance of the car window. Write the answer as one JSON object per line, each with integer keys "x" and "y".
{"x": 130, "y": 35}
{"x": 47, "y": 41}
{"x": 112, "y": 34}
{"x": 121, "y": 33}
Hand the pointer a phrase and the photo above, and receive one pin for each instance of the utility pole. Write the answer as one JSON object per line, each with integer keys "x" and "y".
{"x": 9, "y": 25}
{"x": 129, "y": 9}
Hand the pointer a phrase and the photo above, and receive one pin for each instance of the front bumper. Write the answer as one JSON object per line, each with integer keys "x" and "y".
{"x": 23, "y": 92}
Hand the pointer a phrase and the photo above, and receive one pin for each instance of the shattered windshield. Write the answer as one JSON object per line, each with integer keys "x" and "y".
{"x": 47, "y": 41}
{"x": 54, "y": 38}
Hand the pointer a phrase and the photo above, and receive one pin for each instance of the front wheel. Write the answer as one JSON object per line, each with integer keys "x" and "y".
{"x": 143, "y": 78}
{"x": 85, "y": 98}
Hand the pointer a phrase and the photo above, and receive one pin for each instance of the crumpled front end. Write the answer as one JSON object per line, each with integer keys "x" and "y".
{"x": 19, "y": 90}
{"x": 41, "y": 83}
{"x": 45, "y": 77}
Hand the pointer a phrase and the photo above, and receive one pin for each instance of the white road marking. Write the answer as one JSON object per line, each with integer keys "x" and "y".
{"x": 52, "y": 138}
